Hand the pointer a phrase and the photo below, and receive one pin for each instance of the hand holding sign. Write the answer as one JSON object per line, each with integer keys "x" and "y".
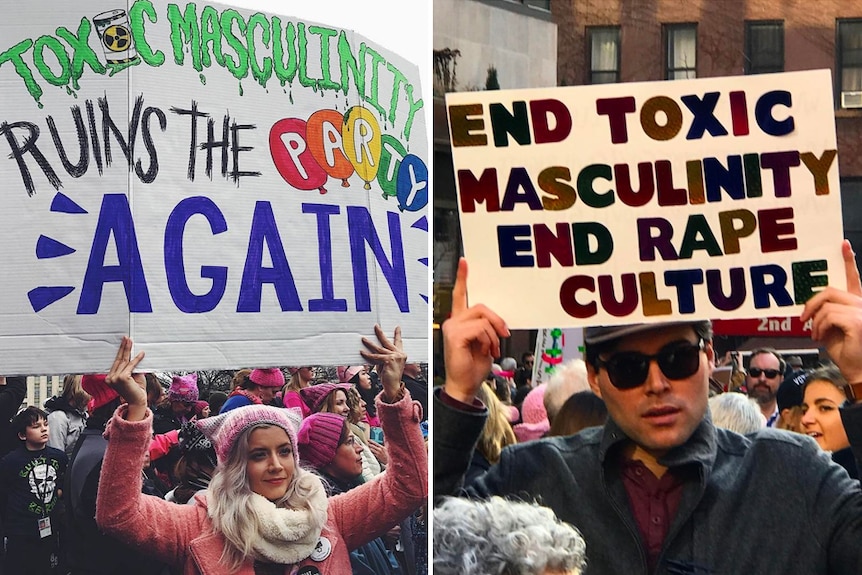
{"x": 471, "y": 340}
{"x": 837, "y": 319}
{"x": 390, "y": 359}
{"x": 121, "y": 379}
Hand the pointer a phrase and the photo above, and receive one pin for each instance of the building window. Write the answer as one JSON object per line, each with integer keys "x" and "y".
{"x": 764, "y": 47}
{"x": 604, "y": 46}
{"x": 540, "y": 4}
{"x": 681, "y": 48}
{"x": 849, "y": 74}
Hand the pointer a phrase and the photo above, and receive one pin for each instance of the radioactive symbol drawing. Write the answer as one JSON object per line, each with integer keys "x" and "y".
{"x": 117, "y": 38}
{"x": 117, "y": 42}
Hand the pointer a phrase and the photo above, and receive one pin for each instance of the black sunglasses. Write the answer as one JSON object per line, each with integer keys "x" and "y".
{"x": 769, "y": 373}
{"x": 629, "y": 369}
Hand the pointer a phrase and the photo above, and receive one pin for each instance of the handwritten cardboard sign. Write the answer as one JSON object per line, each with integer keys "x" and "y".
{"x": 229, "y": 187}
{"x": 646, "y": 202}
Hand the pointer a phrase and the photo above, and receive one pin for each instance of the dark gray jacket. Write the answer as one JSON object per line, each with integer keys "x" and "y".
{"x": 766, "y": 504}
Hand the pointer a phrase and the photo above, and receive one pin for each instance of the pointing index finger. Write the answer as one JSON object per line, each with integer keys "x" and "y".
{"x": 854, "y": 285}
{"x": 459, "y": 292}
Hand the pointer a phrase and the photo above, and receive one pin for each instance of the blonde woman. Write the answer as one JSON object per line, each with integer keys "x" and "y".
{"x": 262, "y": 512}
{"x": 300, "y": 378}
{"x": 496, "y": 434}
{"x": 67, "y": 415}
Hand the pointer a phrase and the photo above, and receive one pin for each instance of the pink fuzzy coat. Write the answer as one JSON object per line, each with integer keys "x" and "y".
{"x": 182, "y": 534}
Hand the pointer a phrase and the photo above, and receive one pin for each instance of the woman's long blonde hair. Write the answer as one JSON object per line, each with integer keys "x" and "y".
{"x": 497, "y": 432}
{"x": 74, "y": 393}
{"x": 229, "y": 501}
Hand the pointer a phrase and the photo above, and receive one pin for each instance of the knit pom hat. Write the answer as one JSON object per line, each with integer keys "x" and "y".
{"x": 95, "y": 385}
{"x": 222, "y": 430}
{"x": 269, "y": 377}
{"x": 184, "y": 388}
{"x": 346, "y": 372}
{"x": 319, "y": 435}
{"x": 315, "y": 395}
{"x": 534, "y": 418}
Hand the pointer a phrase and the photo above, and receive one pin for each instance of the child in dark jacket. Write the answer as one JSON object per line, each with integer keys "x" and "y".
{"x": 30, "y": 486}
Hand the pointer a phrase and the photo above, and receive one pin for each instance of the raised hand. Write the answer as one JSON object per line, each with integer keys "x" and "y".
{"x": 121, "y": 378}
{"x": 837, "y": 319}
{"x": 389, "y": 357}
{"x": 471, "y": 341}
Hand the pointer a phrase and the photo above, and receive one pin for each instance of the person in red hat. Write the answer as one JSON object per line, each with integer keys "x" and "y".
{"x": 258, "y": 388}
{"x": 262, "y": 511}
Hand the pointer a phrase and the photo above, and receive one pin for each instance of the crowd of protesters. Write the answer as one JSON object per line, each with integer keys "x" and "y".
{"x": 120, "y": 474}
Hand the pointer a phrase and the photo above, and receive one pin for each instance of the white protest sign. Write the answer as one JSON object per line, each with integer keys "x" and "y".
{"x": 554, "y": 347}
{"x": 643, "y": 202}
{"x": 229, "y": 187}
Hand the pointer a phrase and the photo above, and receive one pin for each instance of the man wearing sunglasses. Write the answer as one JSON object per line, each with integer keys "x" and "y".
{"x": 659, "y": 489}
{"x": 765, "y": 373}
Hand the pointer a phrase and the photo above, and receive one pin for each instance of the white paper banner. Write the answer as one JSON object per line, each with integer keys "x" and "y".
{"x": 229, "y": 187}
{"x": 641, "y": 202}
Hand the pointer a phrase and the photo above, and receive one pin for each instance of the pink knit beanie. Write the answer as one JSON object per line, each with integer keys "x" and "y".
{"x": 95, "y": 385}
{"x": 319, "y": 435}
{"x": 534, "y": 418}
{"x": 184, "y": 388}
{"x": 346, "y": 372}
{"x": 222, "y": 430}
{"x": 315, "y": 395}
{"x": 269, "y": 377}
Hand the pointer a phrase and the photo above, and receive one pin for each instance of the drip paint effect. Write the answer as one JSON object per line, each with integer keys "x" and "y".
{"x": 261, "y": 45}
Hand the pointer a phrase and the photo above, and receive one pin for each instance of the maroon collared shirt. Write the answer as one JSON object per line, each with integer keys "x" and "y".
{"x": 654, "y": 503}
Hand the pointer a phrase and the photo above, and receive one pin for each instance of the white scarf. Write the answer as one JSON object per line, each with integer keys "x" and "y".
{"x": 288, "y": 536}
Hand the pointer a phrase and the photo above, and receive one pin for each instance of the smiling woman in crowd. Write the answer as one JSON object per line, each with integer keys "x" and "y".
{"x": 823, "y": 393}
{"x": 263, "y": 512}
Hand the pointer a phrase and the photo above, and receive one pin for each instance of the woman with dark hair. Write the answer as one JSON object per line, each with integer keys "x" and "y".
{"x": 823, "y": 393}
{"x": 358, "y": 376}
{"x": 262, "y": 512}
{"x": 332, "y": 450}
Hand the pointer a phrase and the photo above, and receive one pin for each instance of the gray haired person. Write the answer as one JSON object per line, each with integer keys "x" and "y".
{"x": 497, "y": 536}
{"x": 736, "y": 412}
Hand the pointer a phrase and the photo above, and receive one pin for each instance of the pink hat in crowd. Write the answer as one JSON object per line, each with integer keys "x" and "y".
{"x": 269, "y": 377}
{"x": 346, "y": 372}
{"x": 534, "y": 418}
{"x": 319, "y": 435}
{"x": 293, "y": 370}
{"x": 95, "y": 385}
{"x": 222, "y": 430}
{"x": 315, "y": 395}
{"x": 184, "y": 388}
